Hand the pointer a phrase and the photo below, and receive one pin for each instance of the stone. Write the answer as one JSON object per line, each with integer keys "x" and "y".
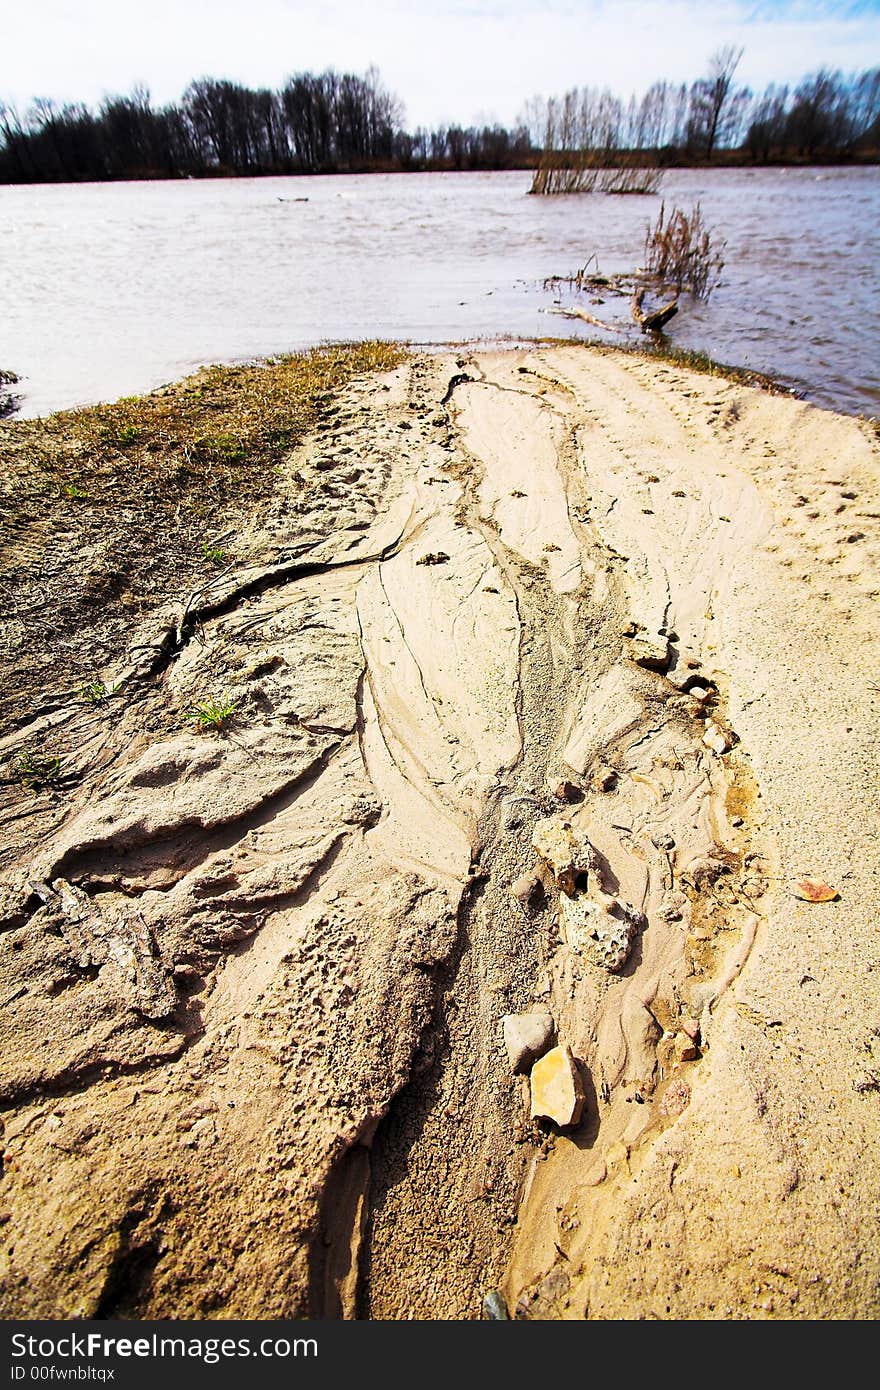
{"x": 602, "y": 932}
{"x": 494, "y": 1307}
{"x": 570, "y": 857}
{"x": 567, "y": 791}
{"x": 685, "y": 1049}
{"x": 596, "y": 925}
{"x": 603, "y": 778}
{"x": 527, "y": 1037}
{"x": 663, "y": 841}
{"x": 685, "y": 674}
{"x": 529, "y": 891}
{"x": 676, "y": 1098}
{"x": 672, "y": 907}
{"x": 706, "y": 869}
{"x": 556, "y": 1088}
{"x": 716, "y": 739}
{"x": 650, "y": 652}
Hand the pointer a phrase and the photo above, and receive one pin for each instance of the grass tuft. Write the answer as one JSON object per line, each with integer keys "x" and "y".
{"x": 95, "y": 692}
{"x": 212, "y": 714}
{"x": 37, "y": 770}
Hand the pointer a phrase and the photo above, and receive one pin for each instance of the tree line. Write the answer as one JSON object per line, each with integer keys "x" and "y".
{"x": 345, "y": 123}
{"x": 827, "y": 116}
{"x": 316, "y": 124}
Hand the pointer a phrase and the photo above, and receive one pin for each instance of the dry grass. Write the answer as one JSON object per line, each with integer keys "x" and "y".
{"x": 198, "y": 442}
{"x": 681, "y": 253}
{"x": 105, "y": 512}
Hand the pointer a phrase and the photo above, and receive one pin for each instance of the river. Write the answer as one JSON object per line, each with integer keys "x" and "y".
{"x": 113, "y": 289}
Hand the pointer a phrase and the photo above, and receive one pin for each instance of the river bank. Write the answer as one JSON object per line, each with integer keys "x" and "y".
{"x": 279, "y": 783}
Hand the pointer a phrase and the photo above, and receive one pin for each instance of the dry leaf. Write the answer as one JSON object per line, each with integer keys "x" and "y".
{"x": 814, "y": 890}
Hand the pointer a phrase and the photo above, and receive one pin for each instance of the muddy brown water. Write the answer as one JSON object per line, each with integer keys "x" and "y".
{"x": 112, "y": 289}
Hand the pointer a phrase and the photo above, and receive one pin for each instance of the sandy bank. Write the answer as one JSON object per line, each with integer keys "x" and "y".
{"x": 254, "y": 979}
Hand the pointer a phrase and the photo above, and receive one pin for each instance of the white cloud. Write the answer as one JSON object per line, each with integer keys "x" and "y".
{"x": 449, "y": 60}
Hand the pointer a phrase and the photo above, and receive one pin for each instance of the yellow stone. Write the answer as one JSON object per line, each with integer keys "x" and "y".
{"x": 557, "y": 1091}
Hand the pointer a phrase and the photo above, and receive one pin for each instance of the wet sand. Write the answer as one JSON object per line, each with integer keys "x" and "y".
{"x": 254, "y": 1062}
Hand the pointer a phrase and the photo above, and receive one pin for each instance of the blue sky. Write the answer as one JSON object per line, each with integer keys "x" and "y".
{"x": 448, "y": 60}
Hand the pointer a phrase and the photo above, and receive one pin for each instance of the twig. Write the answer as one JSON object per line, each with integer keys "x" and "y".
{"x": 575, "y": 313}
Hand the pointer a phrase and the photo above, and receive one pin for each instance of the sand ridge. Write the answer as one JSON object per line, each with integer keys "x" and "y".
{"x": 255, "y": 981}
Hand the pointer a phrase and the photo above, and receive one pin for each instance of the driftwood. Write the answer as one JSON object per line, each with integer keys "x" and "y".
{"x": 653, "y": 322}
{"x": 575, "y": 313}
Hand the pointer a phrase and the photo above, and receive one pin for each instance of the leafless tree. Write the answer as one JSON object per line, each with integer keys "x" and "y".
{"x": 714, "y": 100}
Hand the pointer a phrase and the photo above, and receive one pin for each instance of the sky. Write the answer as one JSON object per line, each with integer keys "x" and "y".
{"x": 464, "y": 61}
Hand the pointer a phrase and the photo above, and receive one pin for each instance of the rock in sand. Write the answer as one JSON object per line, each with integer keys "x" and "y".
{"x": 527, "y": 1037}
{"x": 557, "y": 1090}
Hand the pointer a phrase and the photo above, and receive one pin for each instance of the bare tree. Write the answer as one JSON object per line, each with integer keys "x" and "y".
{"x": 766, "y": 131}
{"x": 653, "y": 117}
{"x": 865, "y": 103}
{"x": 714, "y": 100}
{"x": 818, "y": 120}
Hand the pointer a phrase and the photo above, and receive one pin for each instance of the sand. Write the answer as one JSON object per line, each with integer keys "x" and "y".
{"x": 254, "y": 979}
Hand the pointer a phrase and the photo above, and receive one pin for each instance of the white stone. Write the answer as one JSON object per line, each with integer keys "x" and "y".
{"x": 527, "y": 1037}
{"x": 601, "y": 932}
{"x": 715, "y": 738}
{"x": 568, "y": 855}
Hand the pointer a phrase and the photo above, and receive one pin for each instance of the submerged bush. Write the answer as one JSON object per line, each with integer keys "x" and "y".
{"x": 680, "y": 253}
{"x": 631, "y": 178}
{"x": 588, "y": 171}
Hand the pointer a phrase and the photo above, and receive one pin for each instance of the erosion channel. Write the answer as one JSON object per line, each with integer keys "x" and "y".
{"x": 255, "y": 978}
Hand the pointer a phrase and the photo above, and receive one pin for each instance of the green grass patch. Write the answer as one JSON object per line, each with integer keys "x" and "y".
{"x": 37, "y": 770}
{"x": 212, "y": 714}
{"x": 95, "y": 692}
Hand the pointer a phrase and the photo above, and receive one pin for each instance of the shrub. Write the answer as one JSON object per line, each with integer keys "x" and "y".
{"x": 631, "y": 178}
{"x": 563, "y": 174}
{"x": 680, "y": 253}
